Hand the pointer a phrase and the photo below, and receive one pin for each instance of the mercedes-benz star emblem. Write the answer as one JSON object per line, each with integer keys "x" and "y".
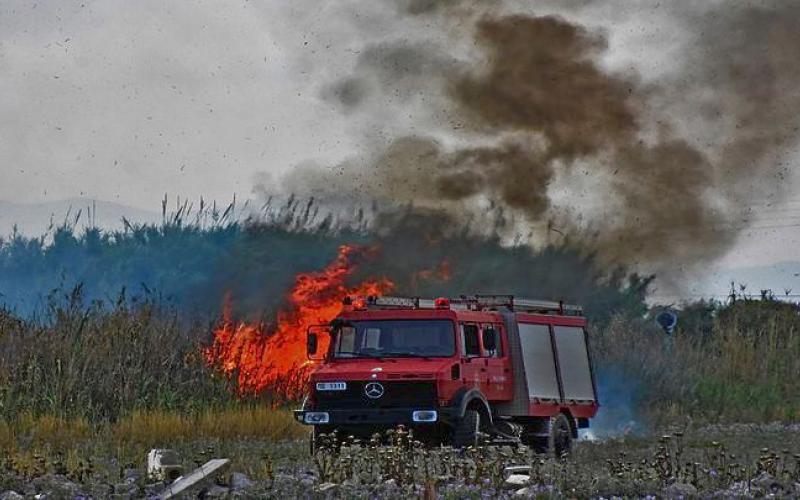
{"x": 373, "y": 390}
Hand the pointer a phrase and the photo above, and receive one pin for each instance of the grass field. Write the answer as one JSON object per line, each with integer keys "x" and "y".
{"x": 733, "y": 362}
{"x": 100, "y": 452}
{"x": 63, "y": 432}
{"x": 271, "y": 450}
{"x": 142, "y": 431}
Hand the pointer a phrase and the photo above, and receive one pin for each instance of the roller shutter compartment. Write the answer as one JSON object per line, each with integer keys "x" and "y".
{"x": 573, "y": 360}
{"x": 540, "y": 369}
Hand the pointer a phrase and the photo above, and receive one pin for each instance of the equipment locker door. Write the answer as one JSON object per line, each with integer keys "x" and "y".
{"x": 499, "y": 385}
{"x": 540, "y": 365}
{"x": 573, "y": 361}
{"x": 473, "y": 369}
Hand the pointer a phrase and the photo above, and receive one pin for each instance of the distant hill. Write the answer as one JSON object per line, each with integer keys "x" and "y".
{"x": 33, "y": 219}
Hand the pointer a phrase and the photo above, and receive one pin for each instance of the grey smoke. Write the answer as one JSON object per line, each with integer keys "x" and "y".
{"x": 511, "y": 106}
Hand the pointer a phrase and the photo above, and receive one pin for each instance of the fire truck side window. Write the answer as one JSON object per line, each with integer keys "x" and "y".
{"x": 497, "y": 352}
{"x": 347, "y": 339}
{"x": 470, "y": 343}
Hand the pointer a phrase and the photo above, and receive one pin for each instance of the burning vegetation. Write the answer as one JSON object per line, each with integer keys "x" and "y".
{"x": 259, "y": 357}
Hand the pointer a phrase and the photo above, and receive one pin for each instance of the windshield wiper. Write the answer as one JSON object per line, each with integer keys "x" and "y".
{"x": 358, "y": 355}
{"x": 347, "y": 354}
{"x": 405, "y": 354}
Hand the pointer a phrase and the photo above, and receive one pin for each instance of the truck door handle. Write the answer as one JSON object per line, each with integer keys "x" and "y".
{"x": 483, "y": 369}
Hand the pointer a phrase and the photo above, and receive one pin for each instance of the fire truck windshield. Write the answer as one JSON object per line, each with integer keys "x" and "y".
{"x": 394, "y": 338}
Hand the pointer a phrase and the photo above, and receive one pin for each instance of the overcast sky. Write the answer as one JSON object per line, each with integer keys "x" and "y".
{"x": 124, "y": 101}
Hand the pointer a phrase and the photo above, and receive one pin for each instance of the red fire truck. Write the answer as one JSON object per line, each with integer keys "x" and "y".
{"x": 454, "y": 368}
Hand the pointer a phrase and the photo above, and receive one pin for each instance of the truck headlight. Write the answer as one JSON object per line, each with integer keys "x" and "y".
{"x": 424, "y": 416}
{"x": 316, "y": 417}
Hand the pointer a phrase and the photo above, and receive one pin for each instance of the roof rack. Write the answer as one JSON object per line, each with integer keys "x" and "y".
{"x": 476, "y": 303}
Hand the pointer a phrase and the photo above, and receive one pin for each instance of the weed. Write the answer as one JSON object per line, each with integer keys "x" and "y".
{"x": 259, "y": 422}
{"x": 741, "y": 365}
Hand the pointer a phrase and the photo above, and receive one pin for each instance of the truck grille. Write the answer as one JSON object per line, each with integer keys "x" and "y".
{"x": 396, "y": 395}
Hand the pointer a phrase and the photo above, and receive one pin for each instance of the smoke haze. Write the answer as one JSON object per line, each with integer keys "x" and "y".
{"x": 654, "y": 133}
{"x": 513, "y": 107}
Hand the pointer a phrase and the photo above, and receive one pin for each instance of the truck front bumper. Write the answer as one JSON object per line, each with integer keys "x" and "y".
{"x": 373, "y": 416}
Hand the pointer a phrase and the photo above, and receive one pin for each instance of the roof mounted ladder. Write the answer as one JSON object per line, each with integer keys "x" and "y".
{"x": 480, "y": 302}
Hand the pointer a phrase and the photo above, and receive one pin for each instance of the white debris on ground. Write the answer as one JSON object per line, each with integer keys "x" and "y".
{"x": 163, "y": 465}
{"x": 515, "y": 481}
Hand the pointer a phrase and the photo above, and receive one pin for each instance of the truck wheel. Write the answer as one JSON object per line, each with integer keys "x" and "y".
{"x": 559, "y": 441}
{"x": 465, "y": 433}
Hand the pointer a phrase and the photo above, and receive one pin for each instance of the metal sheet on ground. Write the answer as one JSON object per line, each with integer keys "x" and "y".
{"x": 540, "y": 369}
{"x": 573, "y": 360}
{"x": 197, "y": 477}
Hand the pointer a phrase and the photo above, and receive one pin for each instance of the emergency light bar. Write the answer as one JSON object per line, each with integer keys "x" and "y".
{"x": 413, "y": 303}
{"x": 520, "y": 304}
{"x": 488, "y": 300}
{"x": 394, "y": 301}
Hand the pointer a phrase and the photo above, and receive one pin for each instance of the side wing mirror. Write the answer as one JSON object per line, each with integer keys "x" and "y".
{"x": 489, "y": 339}
{"x": 313, "y": 340}
{"x": 311, "y": 344}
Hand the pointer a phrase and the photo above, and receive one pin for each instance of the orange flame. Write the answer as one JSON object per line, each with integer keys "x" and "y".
{"x": 441, "y": 273}
{"x": 276, "y": 359}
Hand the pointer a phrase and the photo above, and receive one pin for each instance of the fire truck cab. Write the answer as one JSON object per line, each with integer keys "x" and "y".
{"x": 452, "y": 368}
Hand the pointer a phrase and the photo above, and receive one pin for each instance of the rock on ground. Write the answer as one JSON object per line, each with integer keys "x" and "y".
{"x": 100, "y": 490}
{"x": 737, "y": 489}
{"x": 132, "y": 475}
{"x": 680, "y": 490}
{"x": 517, "y": 469}
{"x": 11, "y": 495}
{"x": 327, "y": 487}
{"x": 523, "y": 492}
{"x": 240, "y": 481}
{"x": 56, "y": 485}
{"x": 767, "y": 483}
{"x": 516, "y": 481}
{"x": 215, "y": 491}
{"x": 126, "y": 489}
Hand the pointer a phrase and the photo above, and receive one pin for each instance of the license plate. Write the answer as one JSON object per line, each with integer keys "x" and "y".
{"x": 331, "y": 386}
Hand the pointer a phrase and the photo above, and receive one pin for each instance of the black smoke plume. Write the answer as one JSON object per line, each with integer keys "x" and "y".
{"x": 518, "y": 101}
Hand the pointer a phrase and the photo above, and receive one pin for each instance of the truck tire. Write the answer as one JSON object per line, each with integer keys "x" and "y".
{"x": 465, "y": 433}
{"x": 559, "y": 440}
